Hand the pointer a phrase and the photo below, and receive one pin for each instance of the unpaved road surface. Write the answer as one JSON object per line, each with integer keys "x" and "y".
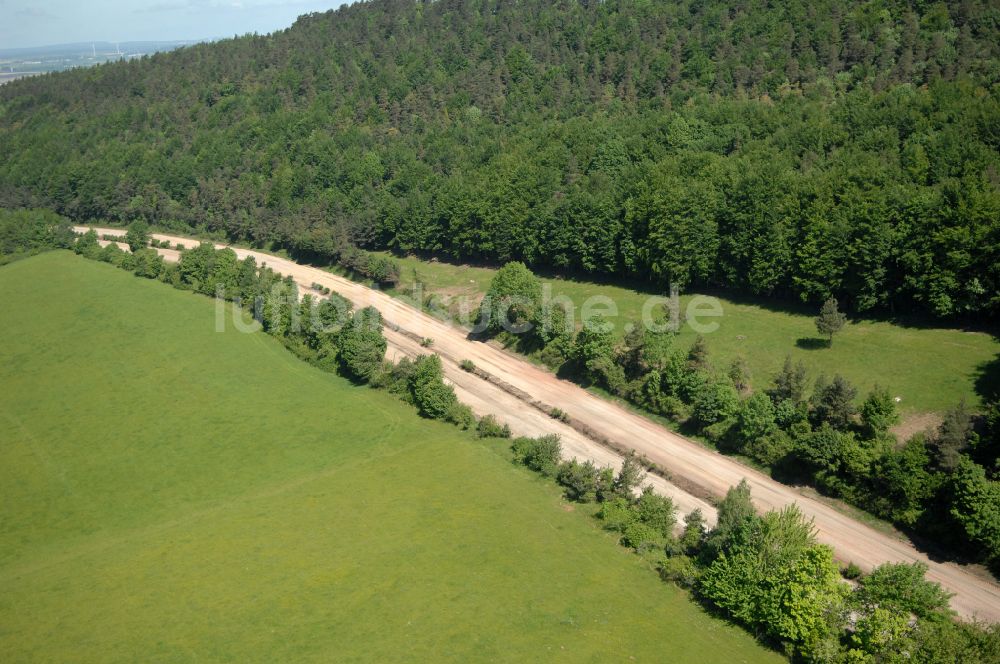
{"x": 710, "y": 471}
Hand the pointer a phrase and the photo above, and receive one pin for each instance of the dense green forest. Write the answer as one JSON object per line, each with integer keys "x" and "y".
{"x": 795, "y": 149}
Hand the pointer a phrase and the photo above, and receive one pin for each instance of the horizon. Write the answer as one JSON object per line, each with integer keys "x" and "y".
{"x": 54, "y": 23}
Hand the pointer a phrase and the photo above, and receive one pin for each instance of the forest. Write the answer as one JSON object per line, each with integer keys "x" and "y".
{"x": 790, "y": 150}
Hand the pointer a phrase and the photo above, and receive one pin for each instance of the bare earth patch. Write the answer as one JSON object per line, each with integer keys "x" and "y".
{"x": 914, "y": 424}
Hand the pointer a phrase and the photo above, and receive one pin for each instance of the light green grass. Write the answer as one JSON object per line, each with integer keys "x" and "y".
{"x": 172, "y": 493}
{"x": 930, "y": 369}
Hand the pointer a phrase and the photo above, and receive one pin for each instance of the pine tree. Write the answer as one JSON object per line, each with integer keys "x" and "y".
{"x": 830, "y": 319}
{"x": 834, "y": 402}
{"x": 698, "y": 355}
{"x": 790, "y": 383}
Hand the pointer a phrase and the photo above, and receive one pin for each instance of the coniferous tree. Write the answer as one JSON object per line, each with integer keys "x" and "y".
{"x": 830, "y": 319}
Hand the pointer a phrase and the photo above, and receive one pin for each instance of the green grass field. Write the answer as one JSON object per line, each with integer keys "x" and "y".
{"x": 931, "y": 369}
{"x": 172, "y": 493}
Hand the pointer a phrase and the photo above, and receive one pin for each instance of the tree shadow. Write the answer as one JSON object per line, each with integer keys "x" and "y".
{"x": 987, "y": 381}
{"x": 812, "y": 343}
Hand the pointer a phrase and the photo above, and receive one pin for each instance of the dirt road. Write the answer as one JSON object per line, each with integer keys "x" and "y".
{"x": 683, "y": 458}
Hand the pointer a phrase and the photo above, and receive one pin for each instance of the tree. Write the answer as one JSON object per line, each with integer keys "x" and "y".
{"x": 790, "y": 383}
{"x": 739, "y": 374}
{"x": 88, "y": 244}
{"x": 147, "y": 263}
{"x": 773, "y": 577}
{"x": 137, "y": 236}
{"x": 884, "y": 635}
{"x": 755, "y": 418}
{"x": 694, "y": 532}
{"x": 361, "y": 344}
{"x": 878, "y": 412}
{"x": 734, "y": 511}
{"x": 513, "y": 300}
{"x": 902, "y": 588}
{"x": 247, "y": 282}
{"x": 714, "y": 402}
{"x": 698, "y": 355}
{"x": 833, "y": 402}
{"x": 954, "y": 435}
{"x": 714, "y": 195}
{"x": 830, "y": 319}
{"x": 432, "y": 396}
{"x": 539, "y": 454}
{"x": 823, "y": 448}
{"x": 579, "y": 479}
{"x": 594, "y": 353}
{"x": 629, "y": 477}
{"x": 196, "y": 268}
{"x": 975, "y": 505}
{"x": 657, "y": 512}
{"x": 902, "y": 483}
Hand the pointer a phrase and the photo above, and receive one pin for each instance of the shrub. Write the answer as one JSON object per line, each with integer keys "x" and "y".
{"x": 559, "y": 414}
{"x": 852, "y": 572}
{"x": 617, "y": 514}
{"x": 395, "y": 378}
{"x": 137, "y": 236}
{"x": 461, "y": 416}
{"x": 714, "y": 402}
{"x": 514, "y": 298}
{"x": 605, "y": 484}
{"x": 629, "y": 477}
{"x": 675, "y": 409}
{"x": 639, "y": 535}
{"x": 490, "y": 427}
{"x": 718, "y": 431}
{"x": 432, "y": 396}
{"x": 426, "y": 342}
{"x": 681, "y": 570}
{"x": 112, "y": 254}
{"x": 87, "y": 245}
{"x": 657, "y": 512}
{"x": 179, "y": 246}
{"x": 769, "y": 449}
{"x": 579, "y": 479}
{"x": 467, "y": 365}
{"x": 539, "y": 454}
{"x": 362, "y": 346}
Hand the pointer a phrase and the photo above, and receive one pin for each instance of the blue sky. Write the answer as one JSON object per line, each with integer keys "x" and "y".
{"x": 44, "y": 22}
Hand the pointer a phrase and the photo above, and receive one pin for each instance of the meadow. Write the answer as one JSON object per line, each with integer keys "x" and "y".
{"x": 929, "y": 368}
{"x": 171, "y": 493}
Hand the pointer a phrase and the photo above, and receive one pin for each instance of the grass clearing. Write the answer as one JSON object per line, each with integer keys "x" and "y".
{"x": 930, "y": 369}
{"x": 172, "y": 493}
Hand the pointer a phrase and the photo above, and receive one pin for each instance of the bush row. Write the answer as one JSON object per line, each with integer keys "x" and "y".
{"x": 938, "y": 486}
{"x": 324, "y": 332}
{"x": 768, "y": 573}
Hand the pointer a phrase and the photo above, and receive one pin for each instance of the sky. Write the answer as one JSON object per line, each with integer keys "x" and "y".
{"x": 46, "y": 22}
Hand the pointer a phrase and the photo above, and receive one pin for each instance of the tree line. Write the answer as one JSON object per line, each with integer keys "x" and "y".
{"x": 768, "y": 573}
{"x": 324, "y": 331}
{"x": 941, "y": 486}
{"x": 27, "y": 232}
{"x": 797, "y": 150}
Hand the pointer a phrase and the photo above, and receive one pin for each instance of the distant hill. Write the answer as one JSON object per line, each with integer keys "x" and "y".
{"x": 88, "y": 48}
{"x": 21, "y": 62}
{"x": 794, "y": 149}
